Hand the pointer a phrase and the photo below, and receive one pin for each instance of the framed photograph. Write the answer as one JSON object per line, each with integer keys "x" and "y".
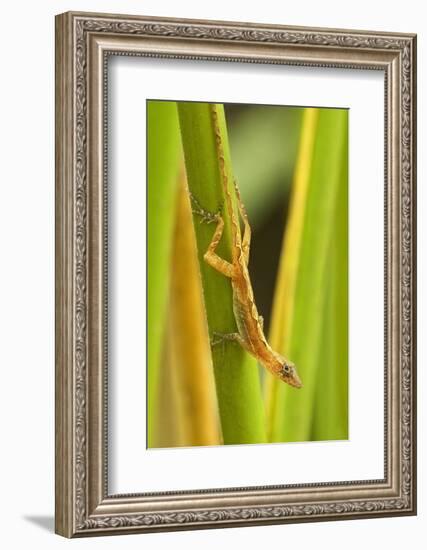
{"x": 235, "y": 274}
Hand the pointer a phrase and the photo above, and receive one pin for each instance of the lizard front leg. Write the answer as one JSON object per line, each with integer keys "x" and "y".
{"x": 219, "y": 337}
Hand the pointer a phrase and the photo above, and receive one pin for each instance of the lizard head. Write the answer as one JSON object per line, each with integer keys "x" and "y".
{"x": 288, "y": 373}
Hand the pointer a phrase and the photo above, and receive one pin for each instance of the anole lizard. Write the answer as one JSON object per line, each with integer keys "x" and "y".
{"x": 249, "y": 323}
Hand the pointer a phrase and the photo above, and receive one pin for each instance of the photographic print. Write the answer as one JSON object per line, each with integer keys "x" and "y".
{"x": 247, "y": 274}
{"x": 235, "y": 274}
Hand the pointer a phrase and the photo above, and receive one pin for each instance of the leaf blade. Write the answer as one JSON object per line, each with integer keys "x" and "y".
{"x": 162, "y": 171}
{"x": 291, "y": 413}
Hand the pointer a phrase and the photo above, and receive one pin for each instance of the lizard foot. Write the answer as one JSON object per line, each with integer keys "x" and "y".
{"x": 220, "y": 337}
{"x": 205, "y": 215}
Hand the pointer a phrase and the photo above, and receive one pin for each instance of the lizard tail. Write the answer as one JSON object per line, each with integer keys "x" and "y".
{"x": 235, "y": 230}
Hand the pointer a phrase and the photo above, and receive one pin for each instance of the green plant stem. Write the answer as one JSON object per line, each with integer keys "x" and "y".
{"x": 236, "y": 374}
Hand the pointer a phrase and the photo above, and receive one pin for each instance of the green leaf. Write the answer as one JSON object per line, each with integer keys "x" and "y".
{"x": 330, "y": 419}
{"x": 163, "y": 165}
{"x": 313, "y": 225}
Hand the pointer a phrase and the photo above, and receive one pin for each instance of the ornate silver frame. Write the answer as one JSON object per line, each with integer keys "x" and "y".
{"x": 83, "y": 505}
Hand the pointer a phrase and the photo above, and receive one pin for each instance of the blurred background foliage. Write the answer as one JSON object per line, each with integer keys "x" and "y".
{"x": 291, "y": 165}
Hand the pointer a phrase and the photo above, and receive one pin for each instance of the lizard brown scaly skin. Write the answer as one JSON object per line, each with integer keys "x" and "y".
{"x": 249, "y": 323}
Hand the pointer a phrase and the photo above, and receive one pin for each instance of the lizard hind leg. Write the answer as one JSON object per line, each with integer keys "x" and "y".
{"x": 210, "y": 256}
{"x": 246, "y": 241}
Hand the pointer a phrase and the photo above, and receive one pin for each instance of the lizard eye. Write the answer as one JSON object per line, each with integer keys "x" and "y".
{"x": 286, "y": 368}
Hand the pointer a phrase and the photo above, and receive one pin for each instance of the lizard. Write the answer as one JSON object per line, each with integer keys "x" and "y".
{"x": 249, "y": 323}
